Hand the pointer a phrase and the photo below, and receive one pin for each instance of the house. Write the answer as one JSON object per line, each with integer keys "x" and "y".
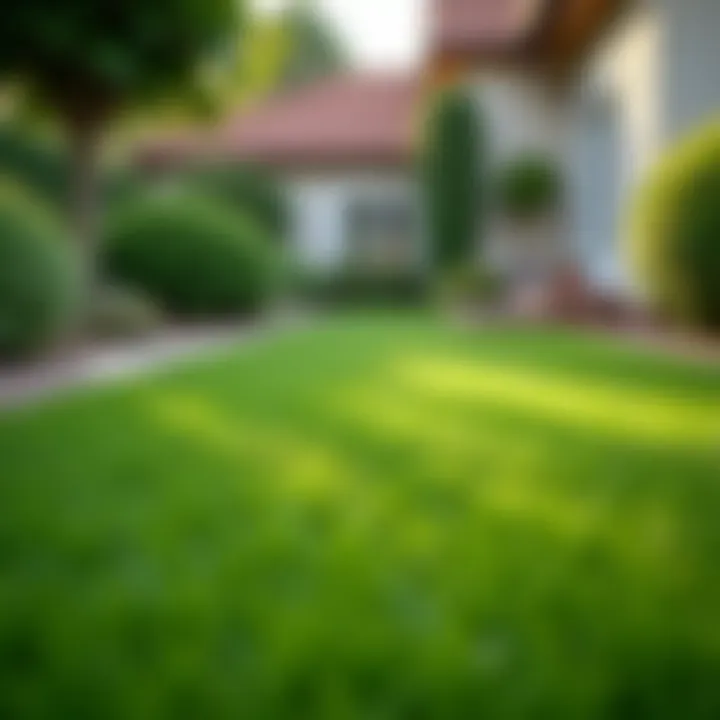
{"x": 601, "y": 86}
{"x": 344, "y": 150}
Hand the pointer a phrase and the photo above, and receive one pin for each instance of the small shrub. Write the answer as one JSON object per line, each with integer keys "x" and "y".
{"x": 352, "y": 286}
{"x": 193, "y": 255}
{"x": 119, "y": 312}
{"x": 36, "y": 163}
{"x": 471, "y": 287}
{"x": 675, "y": 230}
{"x": 528, "y": 187}
{"x": 249, "y": 189}
{"x": 125, "y": 184}
{"x": 38, "y": 274}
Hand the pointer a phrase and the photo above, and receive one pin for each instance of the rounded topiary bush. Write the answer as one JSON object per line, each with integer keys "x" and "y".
{"x": 193, "y": 255}
{"x": 529, "y": 186}
{"x": 38, "y": 274}
{"x": 247, "y": 188}
{"x": 675, "y": 230}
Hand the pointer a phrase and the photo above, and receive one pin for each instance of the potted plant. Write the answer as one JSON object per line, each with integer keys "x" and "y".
{"x": 528, "y": 195}
{"x": 529, "y": 187}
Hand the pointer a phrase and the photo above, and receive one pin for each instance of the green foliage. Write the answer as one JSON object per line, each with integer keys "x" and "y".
{"x": 675, "y": 230}
{"x": 92, "y": 57}
{"x": 452, "y": 179}
{"x": 249, "y": 189}
{"x": 119, "y": 312}
{"x": 261, "y": 61}
{"x": 357, "y": 287}
{"x": 35, "y": 163}
{"x": 529, "y": 186}
{"x": 126, "y": 183}
{"x": 282, "y": 51}
{"x": 195, "y": 256}
{"x": 471, "y": 287}
{"x": 376, "y": 517}
{"x": 42, "y": 165}
{"x": 313, "y": 50}
{"x": 38, "y": 275}
{"x": 90, "y": 60}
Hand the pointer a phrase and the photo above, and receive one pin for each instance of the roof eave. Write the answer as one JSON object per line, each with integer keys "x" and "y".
{"x": 564, "y": 31}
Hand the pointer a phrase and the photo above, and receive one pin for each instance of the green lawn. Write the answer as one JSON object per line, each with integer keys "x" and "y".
{"x": 376, "y": 518}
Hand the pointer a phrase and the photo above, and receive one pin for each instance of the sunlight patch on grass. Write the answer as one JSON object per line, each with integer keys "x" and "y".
{"x": 621, "y": 412}
{"x": 495, "y": 470}
{"x": 441, "y": 440}
{"x": 524, "y": 498}
{"x": 302, "y": 468}
{"x": 514, "y": 478}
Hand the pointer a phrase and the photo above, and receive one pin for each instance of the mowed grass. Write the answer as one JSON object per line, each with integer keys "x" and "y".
{"x": 375, "y": 518}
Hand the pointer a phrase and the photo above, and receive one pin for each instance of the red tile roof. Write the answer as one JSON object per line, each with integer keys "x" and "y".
{"x": 346, "y": 120}
{"x": 477, "y": 25}
{"x": 355, "y": 119}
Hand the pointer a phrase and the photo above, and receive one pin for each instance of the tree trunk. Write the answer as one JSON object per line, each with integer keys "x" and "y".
{"x": 85, "y": 135}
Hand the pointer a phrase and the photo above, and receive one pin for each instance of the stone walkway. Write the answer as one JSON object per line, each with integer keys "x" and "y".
{"x": 24, "y": 384}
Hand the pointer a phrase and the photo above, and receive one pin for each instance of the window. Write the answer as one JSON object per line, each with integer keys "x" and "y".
{"x": 381, "y": 234}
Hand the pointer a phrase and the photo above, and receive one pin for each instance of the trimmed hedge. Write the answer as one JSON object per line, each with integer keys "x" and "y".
{"x": 193, "y": 255}
{"x": 675, "y": 230}
{"x": 352, "y": 287}
{"x": 39, "y": 274}
{"x": 245, "y": 188}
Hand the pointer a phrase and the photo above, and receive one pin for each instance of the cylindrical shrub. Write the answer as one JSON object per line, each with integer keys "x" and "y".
{"x": 193, "y": 255}
{"x": 675, "y": 230}
{"x": 452, "y": 179}
{"x": 39, "y": 274}
{"x": 528, "y": 187}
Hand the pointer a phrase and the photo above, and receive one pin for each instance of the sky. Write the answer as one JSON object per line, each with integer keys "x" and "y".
{"x": 379, "y": 34}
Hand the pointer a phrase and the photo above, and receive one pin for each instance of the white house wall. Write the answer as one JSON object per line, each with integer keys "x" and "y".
{"x": 318, "y": 206}
{"x": 660, "y": 67}
{"x": 691, "y": 84}
{"x": 656, "y": 77}
{"x": 521, "y": 114}
{"x": 616, "y": 134}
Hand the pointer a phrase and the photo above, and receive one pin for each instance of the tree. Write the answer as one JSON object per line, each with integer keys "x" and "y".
{"x": 313, "y": 49}
{"x": 452, "y": 179}
{"x": 90, "y": 60}
{"x": 283, "y": 51}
